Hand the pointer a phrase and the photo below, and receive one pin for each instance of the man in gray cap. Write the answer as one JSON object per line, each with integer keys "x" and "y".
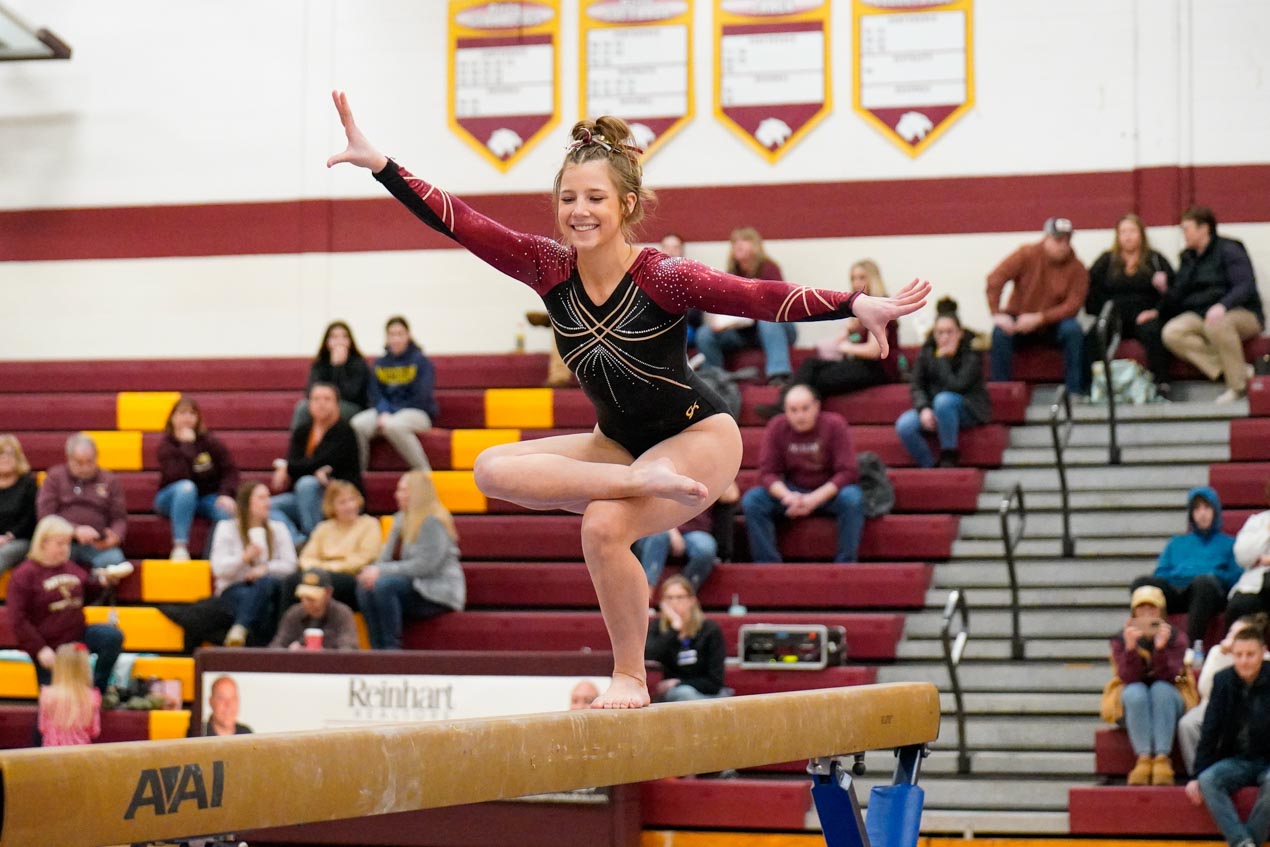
{"x": 1050, "y": 284}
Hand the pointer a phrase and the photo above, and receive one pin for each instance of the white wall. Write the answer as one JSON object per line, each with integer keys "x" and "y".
{"x": 228, "y": 102}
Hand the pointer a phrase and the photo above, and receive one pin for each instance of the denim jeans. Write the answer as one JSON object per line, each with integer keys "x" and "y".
{"x": 682, "y": 693}
{"x": 1066, "y": 335}
{"x": 299, "y": 509}
{"x": 700, "y": 551}
{"x": 950, "y": 416}
{"x": 774, "y": 338}
{"x": 179, "y": 502}
{"x": 762, "y": 510}
{"x": 386, "y": 605}
{"x": 249, "y": 602}
{"x": 13, "y": 553}
{"x": 105, "y": 640}
{"x": 92, "y": 558}
{"x": 1220, "y": 780}
{"x": 1151, "y": 716}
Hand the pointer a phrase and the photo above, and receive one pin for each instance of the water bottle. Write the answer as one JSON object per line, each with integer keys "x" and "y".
{"x": 736, "y": 609}
{"x": 1197, "y": 655}
{"x": 520, "y": 337}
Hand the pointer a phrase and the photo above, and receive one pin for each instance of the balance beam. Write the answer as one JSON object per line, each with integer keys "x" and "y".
{"x": 151, "y": 790}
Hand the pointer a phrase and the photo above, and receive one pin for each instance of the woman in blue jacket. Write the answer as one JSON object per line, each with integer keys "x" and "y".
{"x": 402, "y": 404}
{"x": 1196, "y": 570}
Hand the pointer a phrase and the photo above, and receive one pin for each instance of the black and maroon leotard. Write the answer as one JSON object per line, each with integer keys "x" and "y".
{"x": 628, "y": 352}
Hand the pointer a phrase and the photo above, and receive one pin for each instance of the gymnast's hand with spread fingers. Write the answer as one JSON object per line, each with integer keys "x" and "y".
{"x": 359, "y": 151}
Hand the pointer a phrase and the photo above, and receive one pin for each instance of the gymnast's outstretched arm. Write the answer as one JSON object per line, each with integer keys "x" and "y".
{"x": 535, "y": 260}
{"x": 679, "y": 284}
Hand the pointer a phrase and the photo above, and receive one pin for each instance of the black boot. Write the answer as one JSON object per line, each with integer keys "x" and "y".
{"x": 948, "y": 458}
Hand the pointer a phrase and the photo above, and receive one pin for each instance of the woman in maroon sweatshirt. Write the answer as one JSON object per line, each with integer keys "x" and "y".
{"x": 46, "y": 600}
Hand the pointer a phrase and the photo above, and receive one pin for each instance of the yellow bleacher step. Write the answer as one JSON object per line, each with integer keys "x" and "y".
{"x": 524, "y": 408}
{"x": 117, "y": 451}
{"x": 144, "y": 410}
{"x": 164, "y": 581}
{"x": 144, "y": 629}
{"x": 458, "y": 492}
{"x": 173, "y": 723}
{"x": 17, "y": 681}
{"x": 180, "y": 668}
{"x": 467, "y": 444}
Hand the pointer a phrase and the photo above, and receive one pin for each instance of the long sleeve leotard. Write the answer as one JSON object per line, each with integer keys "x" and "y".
{"x": 629, "y": 351}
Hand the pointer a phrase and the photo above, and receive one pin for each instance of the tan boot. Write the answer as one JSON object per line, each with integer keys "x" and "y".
{"x": 1161, "y": 771}
{"x": 1141, "y": 773}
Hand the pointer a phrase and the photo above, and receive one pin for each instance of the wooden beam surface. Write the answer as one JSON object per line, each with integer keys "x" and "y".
{"x": 144, "y": 791}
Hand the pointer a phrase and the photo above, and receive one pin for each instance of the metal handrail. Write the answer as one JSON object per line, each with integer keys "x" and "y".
{"x": 1108, "y": 330}
{"x": 954, "y": 647}
{"x": 1011, "y": 541}
{"x": 1063, "y": 405}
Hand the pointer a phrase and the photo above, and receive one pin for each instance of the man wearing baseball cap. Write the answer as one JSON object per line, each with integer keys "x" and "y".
{"x": 1050, "y": 285}
{"x": 317, "y": 610}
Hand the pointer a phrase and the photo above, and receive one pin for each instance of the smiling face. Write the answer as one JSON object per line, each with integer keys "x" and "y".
{"x": 589, "y": 209}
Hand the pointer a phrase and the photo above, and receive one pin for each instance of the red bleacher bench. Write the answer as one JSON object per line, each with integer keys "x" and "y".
{"x": 882, "y": 404}
{"x": 1240, "y": 483}
{"x": 1133, "y": 811}
{"x": 1114, "y": 756}
{"x": 784, "y": 586}
{"x": 1250, "y": 441}
{"x": 767, "y": 804}
{"x": 1259, "y": 397}
{"x": 17, "y": 726}
{"x": 1045, "y": 364}
{"x": 870, "y": 636}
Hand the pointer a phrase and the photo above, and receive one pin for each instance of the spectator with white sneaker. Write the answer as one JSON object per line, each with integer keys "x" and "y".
{"x": 251, "y": 555}
{"x": 1213, "y": 306}
{"x": 197, "y": 475}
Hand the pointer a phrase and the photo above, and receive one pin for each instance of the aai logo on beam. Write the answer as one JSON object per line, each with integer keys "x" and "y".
{"x": 163, "y": 790}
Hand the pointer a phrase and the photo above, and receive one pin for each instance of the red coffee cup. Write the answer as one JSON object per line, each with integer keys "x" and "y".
{"x": 313, "y": 639}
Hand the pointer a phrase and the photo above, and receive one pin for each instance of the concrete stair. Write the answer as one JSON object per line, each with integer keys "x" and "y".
{"x": 1030, "y": 723}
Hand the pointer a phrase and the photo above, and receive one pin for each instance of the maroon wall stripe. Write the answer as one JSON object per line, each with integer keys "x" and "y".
{"x": 1238, "y": 193}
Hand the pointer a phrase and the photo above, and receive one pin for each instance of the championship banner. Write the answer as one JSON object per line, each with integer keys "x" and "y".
{"x": 914, "y": 67}
{"x": 771, "y": 80}
{"x": 504, "y": 75}
{"x": 257, "y": 702}
{"x": 636, "y": 58}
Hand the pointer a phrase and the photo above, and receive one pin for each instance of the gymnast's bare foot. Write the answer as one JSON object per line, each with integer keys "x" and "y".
{"x": 659, "y": 478}
{"x": 624, "y": 692}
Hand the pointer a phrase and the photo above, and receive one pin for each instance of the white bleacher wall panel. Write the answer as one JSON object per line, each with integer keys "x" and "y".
{"x": 228, "y": 103}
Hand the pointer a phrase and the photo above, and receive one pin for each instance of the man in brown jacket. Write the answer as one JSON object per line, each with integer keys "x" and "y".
{"x": 1050, "y": 284}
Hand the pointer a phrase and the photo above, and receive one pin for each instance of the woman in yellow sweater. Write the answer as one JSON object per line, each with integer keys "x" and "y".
{"x": 342, "y": 544}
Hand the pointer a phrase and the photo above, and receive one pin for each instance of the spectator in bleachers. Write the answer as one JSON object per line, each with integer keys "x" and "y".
{"x": 702, "y": 542}
{"x": 1134, "y": 277}
{"x": 46, "y": 601}
{"x": 1218, "y": 659}
{"x": 417, "y": 574}
{"x": 672, "y": 244}
{"x": 720, "y": 334}
{"x": 583, "y": 695}
{"x": 1251, "y": 593}
{"x": 251, "y": 554}
{"x": 1196, "y": 570}
{"x": 687, "y": 645}
{"x": 849, "y": 359}
{"x": 92, "y": 499}
{"x": 1050, "y": 285}
{"x": 317, "y": 609}
{"x": 807, "y": 466}
{"x": 341, "y": 545}
{"x": 17, "y": 503}
{"x": 320, "y": 451}
{"x": 402, "y": 404}
{"x": 948, "y": 391}
{"x": 1234, "y": 748}
{"x": 197, "y": 475}
{"x": 223, "y": 704}
{"x": 1148, "y": 655}
{"x": 1214, "y": 305}
{"x": 340, "y": 363}
{"x": 69, "y": 706}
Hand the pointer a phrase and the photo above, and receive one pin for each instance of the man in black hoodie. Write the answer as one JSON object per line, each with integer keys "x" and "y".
{"x": 1213, "y": 304}
{"x": 1234, "y": 747}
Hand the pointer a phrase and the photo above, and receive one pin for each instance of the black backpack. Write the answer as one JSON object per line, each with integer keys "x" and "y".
{"x": 724, "y": 385}
{"x": 879, "y": 493}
